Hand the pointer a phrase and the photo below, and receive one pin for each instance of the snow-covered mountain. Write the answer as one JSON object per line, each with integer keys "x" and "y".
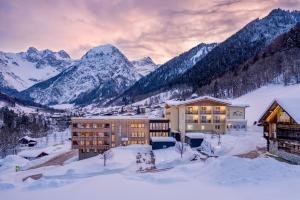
{"x": 102, "y": 73}
{"x": 19, "y": 71}
{"x": 227, "y": 56}
{"x": 144, "y": 66}
{"x": 160, "y": 77}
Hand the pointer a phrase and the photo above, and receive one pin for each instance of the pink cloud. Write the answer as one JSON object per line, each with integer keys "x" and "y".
{"x": 160, "y": 29}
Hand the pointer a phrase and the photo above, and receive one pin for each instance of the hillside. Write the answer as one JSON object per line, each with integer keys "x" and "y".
{"x": 277, "y": 63}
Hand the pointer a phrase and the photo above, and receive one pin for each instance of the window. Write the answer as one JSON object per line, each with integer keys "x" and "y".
{"x": 106, "y": 126}
{"x": 202, "y": 127}
{"x": 190, "y": 127}
{"x": 217, "y": 127}
{"x": 94, "y": 125}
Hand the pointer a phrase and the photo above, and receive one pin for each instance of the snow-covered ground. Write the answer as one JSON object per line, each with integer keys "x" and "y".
{"x": 224, "y": 177}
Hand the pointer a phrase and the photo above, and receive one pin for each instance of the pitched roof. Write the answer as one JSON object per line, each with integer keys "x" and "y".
{"x": 202, "y": 98}
{"x": 177, "y": 103}
{"x": 290, "y": 105}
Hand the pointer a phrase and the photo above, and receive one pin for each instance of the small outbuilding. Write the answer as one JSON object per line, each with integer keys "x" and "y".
{"x": 194, "y": 139}
{"x": 162, "y": 142}
{"x": 27, "y": 141}
{"x": 33, "y": 154}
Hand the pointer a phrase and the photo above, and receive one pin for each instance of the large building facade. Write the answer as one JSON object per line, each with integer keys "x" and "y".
{"x": 205, "y": 114}
{"x": 92, "y": 136}
{"x": 281, "y": 122}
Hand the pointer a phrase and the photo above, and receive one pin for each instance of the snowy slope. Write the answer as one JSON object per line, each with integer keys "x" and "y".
{"x": 260, "y": 99}
{"x": 101, "y": 73}
{"x": 144, "y": 66}
{"x": 21, "y": 70}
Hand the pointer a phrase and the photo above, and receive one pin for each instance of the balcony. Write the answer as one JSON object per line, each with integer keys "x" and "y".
{"x": 218, "y": 121}
{"x": 191, "y": 121}
{"x": 205, "y": 121}
{"x": 205, "y": 112}
{"x": 219, "y": 112}
{"x": 90, "y": 130}
{"x": 194, "y": 112}
{"x": 90, "y": 137}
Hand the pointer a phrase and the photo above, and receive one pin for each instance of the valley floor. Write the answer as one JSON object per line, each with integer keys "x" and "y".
{"x": 225, "y": 177}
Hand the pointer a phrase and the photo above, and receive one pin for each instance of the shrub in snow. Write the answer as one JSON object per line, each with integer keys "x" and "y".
{"x": 206, "y": 148}
{"x": 180, "y": 148}
{"x": 106, "y": 156}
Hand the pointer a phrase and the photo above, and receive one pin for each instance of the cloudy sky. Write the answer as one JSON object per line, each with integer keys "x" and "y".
{"x": 160, "y": 29}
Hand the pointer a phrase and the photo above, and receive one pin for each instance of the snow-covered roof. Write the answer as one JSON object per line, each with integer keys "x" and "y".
{"x": 291, "y": 106}
{"x": 27, "y": 138}
{"x": 33, "y": 153}
{"x": 177, "y": 103}
{"x": 195, "y": 135}
{"x": 162, "y": 139}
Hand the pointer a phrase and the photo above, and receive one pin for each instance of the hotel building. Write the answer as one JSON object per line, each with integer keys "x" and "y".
{"x": 205, "y": 114}
{"x": 92, "y": 136}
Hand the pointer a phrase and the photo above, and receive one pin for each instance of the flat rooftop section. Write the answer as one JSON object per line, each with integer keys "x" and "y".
{"x": 195, "y": 135}
{"x": 117, "y": 117}
{"x": 163, "y": 139}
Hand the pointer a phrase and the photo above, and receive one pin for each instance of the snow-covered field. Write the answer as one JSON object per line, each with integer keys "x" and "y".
{"x": 224, "y": 177}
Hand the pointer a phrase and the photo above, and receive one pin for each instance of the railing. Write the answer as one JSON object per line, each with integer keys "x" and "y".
{"x": 191, "y": 112}
{"x": 219, "y": 112}
{"x": 205, "y": 112}
{"x": 100, "y": 146}
{"x": 219, "y": 121}
{"x": 191, "y": 121}
{"x": 90, "y": 137}
{"x": 90, "y": 129}
{"x": 205, "y": 121}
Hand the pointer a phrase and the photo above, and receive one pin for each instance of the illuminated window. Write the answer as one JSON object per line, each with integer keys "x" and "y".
{"x": 190, "y": 127}
{"x": 202, "y": 127}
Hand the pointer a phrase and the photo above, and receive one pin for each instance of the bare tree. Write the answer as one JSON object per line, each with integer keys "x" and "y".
{"x": 106, "y": 156}
{"x": 180, "y": 147}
